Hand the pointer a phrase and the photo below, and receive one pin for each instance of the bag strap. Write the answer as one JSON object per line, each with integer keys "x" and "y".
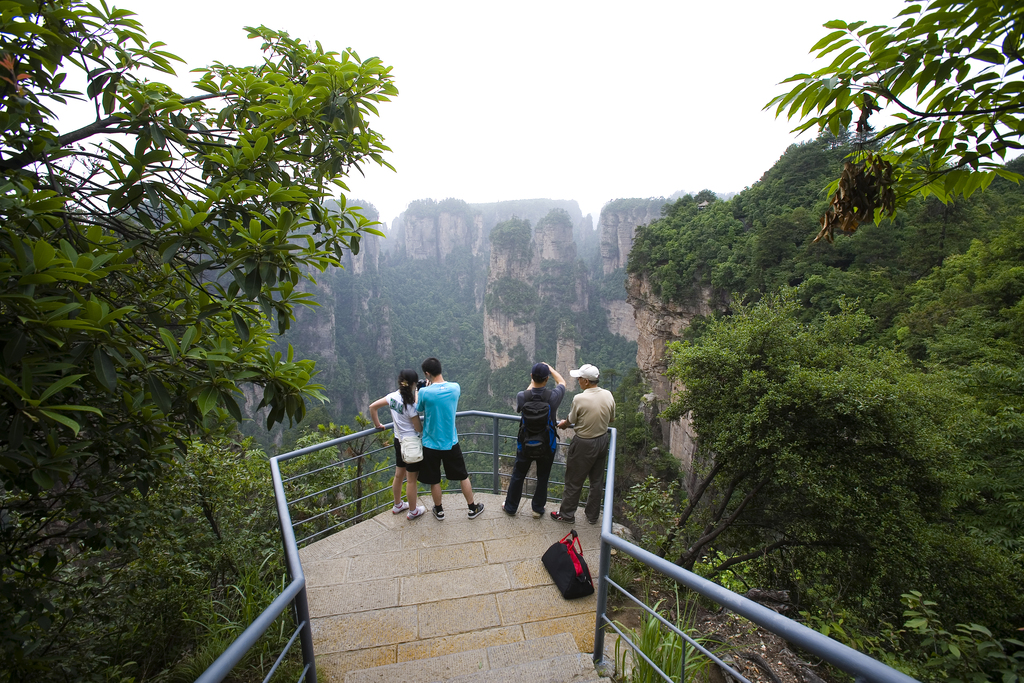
{"x": 574, "y": 556}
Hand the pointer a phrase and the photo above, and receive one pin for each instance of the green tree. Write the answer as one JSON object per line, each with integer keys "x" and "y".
{"x": 831, "y": 455}
{"x": 145, "y": 259}
{"x": 950, "y": 77}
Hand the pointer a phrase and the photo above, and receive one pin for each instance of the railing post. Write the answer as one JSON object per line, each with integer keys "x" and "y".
{"x": 606, "y": 551}
{"x": 294, "y": 565}
{"x": 682, "y": 660}
{"x": 496, "y": 481}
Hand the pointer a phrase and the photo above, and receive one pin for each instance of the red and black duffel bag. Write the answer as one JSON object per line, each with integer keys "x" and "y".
{"x": 564, "y": 561}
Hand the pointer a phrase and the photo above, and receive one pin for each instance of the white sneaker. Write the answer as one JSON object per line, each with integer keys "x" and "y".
{"x": 400, "y": 508}
{"x": 418, "y": 512}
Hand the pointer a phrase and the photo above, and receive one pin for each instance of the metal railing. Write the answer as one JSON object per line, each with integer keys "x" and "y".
{"x": 354, "y": 507}
{"x": 378, "y": 461}
{"x": 859, "y": 665}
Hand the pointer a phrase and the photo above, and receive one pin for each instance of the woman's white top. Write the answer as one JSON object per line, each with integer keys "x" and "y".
{"x": 401, "y": 414}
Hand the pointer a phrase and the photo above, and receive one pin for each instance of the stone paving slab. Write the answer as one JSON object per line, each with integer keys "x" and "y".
{"x": 438, "y": 647}
{"x": 364, "y": 630}
{"x": 540, "y": 603}
{"x": 501, "y": 656}
{"x": 325, "y": 573}
{"x": 333, "y": 667}
{"x": 563, "y": 669}
{"x": 450, "y": 557}
{"x": 350, "y": 598}
{"x": 457, "y": 616}
{"x": 579, "y": 626}
{"x": 387, "y": 541}
{"x": 382, "y": 566}
{"x": 337, "y": 544}
{"x": 453, "y": 584}
{"x": 421, "y": 670}
{"x": 520, "y": 525}
{"x": 431, "y": 533}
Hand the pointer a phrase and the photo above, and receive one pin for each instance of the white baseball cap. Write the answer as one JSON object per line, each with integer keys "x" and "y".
{"x": 588, "y": 372}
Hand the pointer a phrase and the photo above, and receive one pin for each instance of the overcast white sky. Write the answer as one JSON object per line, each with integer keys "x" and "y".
{"x": 590, "y": 101}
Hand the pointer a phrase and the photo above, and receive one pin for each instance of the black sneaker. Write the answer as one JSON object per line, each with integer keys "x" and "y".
{"x": 475, "y": 510}
{"x": 559, "y": 517}
{"x": 438, "y": 513}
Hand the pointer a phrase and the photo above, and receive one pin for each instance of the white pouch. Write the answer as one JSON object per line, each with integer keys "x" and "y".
{"x": 412, "y": 449}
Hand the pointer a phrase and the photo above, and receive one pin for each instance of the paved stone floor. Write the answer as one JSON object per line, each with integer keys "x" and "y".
{"x": 390, "y": 590}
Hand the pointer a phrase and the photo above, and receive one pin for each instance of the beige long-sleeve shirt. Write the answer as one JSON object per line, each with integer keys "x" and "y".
{"x": 591, "y": 412}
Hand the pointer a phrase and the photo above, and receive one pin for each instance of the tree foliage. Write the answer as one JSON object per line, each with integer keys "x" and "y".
{"x": 146, "y": 260}
{"x": 839, "y": 458}
{"x": 949, "y": 76}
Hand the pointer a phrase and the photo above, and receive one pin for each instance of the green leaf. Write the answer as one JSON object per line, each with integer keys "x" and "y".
{"x": 169, "y": 342}
{"x": 208, "y": 399}
{"x": 241, "y": 326}
{"x": 231, "y": 405}
{"x": 159, "y": 394}
{"x": 43, "y": 479}
{"x": 63, "y": 419}
{"x": 104, "y": 369}
{"x": 58, "y": 385}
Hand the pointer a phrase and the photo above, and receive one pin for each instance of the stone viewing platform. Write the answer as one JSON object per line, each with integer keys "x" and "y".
{"x": 395, "y": 600}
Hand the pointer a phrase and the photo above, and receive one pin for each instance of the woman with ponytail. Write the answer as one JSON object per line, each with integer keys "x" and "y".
{"x": 402, "y": 404}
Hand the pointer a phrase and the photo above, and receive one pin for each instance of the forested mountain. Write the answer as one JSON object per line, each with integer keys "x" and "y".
{"x": 848, "y": 414}
{"x": 488, "y": 288}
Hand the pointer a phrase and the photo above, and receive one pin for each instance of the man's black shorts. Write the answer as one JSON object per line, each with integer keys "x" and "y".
{"x": 454, "y": 465}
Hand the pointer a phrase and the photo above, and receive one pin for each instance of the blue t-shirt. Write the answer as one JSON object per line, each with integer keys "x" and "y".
{"x": 438, "y": 403}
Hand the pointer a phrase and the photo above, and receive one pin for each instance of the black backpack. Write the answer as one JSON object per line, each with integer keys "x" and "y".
{"x": 537, "y": 438}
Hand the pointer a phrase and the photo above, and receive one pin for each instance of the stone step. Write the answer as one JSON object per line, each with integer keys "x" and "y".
{"x": 552, "y": 658}
{"x": 564, "y": 669}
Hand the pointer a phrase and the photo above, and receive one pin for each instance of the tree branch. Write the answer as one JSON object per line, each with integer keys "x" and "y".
{"x": 688, "y": 558}
{"x": 739, "y": 559}
{"x": 96, "y": 127}
{"x": 690, "y": 506}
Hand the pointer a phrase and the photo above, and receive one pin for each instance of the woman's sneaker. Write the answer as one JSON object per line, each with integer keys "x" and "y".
{"x": 418, "y": 512}
{"x": 399, "y": 508}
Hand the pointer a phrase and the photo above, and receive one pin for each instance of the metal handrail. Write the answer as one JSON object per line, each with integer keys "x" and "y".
{"x": 849, "y": 660}
{"x": 857, "y": 664}
{"x": 295, "y": 592}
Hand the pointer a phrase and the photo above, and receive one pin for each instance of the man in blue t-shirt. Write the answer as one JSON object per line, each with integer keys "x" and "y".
{"x": 438, "y": 402}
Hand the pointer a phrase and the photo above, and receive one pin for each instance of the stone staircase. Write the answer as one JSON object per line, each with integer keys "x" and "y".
{"x": 394, "y": 600}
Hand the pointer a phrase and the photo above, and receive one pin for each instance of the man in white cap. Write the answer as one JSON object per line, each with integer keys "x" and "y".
{"x": 592, "y": 411}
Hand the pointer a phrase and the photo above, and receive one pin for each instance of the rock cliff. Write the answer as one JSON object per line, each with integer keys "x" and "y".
{"x": 534, "y": 287}
{"x": 508, "y": 314}
{"x": 618, "y": 223}
{"x": 659, "y": 322}
{"x": 433, "y": 230}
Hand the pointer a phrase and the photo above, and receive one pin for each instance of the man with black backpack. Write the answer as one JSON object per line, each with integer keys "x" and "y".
{"x": 537, "y": 438}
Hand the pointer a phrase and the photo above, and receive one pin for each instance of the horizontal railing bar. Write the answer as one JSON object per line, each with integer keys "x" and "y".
{"x": 846, "y": 658}
{"x": 340, "y": 463}
{"x": 234, "y": 653}
{"x": 284, "y": 652}
{"x": 340, "y": 484}
{"x": 638, "y": 651}
{"x": 710, "y": 655}
{"x": 343, "y": 506}
{"x": 327, "y": 444}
